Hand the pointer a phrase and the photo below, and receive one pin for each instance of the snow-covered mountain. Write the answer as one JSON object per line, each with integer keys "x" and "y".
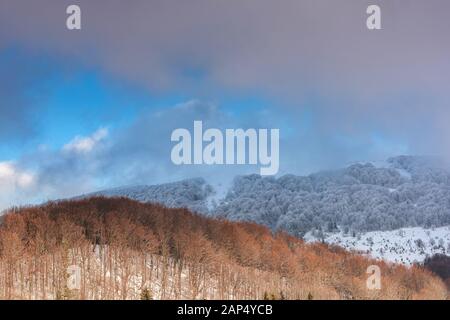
{"x": 193, "y": 194}
{"x": 406, "y": 192}
{"x": 403, "y": 192}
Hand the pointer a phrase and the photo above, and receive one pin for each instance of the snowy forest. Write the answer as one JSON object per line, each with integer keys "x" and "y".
{"x": 405, "y": 191}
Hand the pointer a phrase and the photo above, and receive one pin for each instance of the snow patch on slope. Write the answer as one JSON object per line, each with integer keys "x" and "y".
{"x": 406, "y": 245}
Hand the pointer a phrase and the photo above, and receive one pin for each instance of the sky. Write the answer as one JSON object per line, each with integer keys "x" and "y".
{"x": 83, "y": 110}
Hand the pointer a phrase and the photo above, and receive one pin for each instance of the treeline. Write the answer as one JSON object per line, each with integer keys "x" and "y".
{"x": 124, "y": 249}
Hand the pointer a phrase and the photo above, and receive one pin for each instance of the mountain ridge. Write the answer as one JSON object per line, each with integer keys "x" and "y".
{"x": 401, "y": 192}
{"x": 405, "y": 183}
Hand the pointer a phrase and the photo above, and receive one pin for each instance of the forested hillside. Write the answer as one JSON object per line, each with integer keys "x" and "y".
{"x": 401, "y": 192}
{"x": 130, "y": 250}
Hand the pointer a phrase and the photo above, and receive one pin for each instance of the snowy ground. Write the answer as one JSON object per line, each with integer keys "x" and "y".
{"x": 406, "y": 246}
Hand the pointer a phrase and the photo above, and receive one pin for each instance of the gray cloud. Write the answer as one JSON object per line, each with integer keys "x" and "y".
{"x": 368, "y": 93}
{"x": 140, "y": 154}
{"x": 292, "y": 51}
{"x": 290, "y": 47}
{"x": 137, "y": 154}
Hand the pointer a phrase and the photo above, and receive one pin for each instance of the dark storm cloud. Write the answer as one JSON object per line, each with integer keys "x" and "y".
{"x": 367, "y": 93}
{"x": 291, "y": 50}
{"x": 285, "y": 46}
{"x": 282, "y": 45}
